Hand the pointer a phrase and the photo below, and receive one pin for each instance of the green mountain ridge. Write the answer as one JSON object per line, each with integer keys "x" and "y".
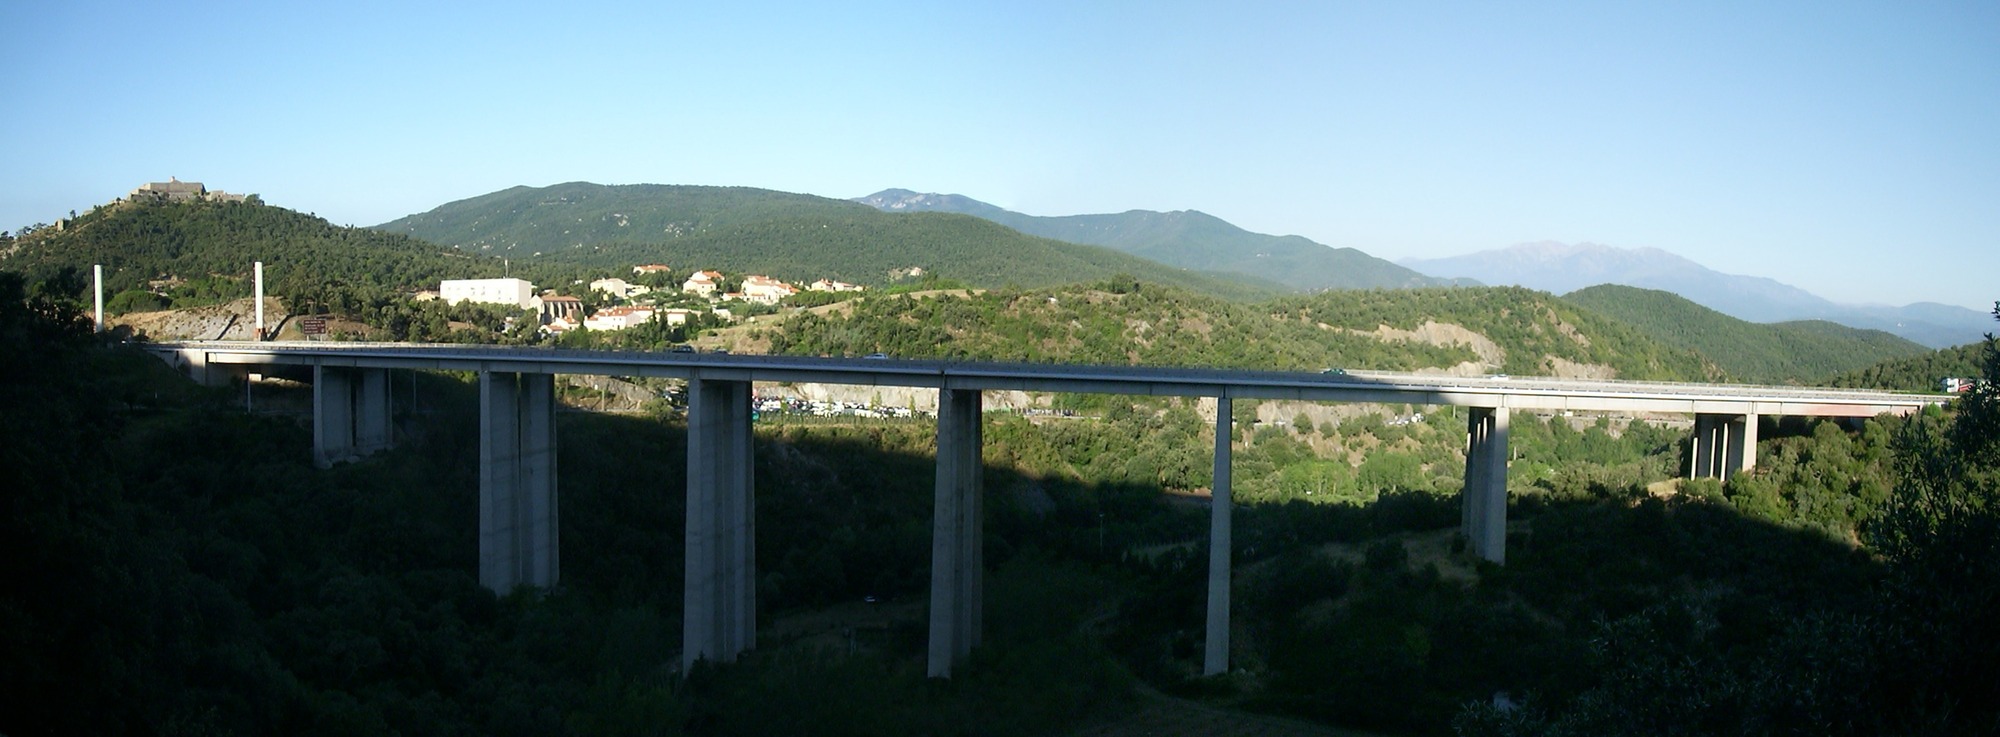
{"x": 1188, "y": 239}
{"x": 1753, "y": 352}
{"x": 789, "y": 236}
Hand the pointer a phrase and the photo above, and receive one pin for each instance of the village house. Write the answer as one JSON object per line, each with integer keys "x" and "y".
{"x": 675, "y": 315}
{"x": 766, "y": 290}
{"x": 829, "y": 285}
{"x": 703, "y": 283}
{"x": 616, "y": 287}
{"x": 619, "y": 318}
{"x": 561, "y": 325}
{"x": 650, "y": 269}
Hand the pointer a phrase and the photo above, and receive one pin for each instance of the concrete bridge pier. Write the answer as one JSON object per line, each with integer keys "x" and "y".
{"x": 351, "y": 413}
{"x": 719, "y": 619}
{"x": 517, "y": 481}
{"x": 1215, "y": 648}
{"x": 958, "y": 533}
{"x": 1723, "y": 444}
{"x": 1483, "y": 502}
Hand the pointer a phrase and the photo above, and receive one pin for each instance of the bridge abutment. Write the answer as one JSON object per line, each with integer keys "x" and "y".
{"x": 719, "y": 619}
{"x": 957, "y": 533}
{"x": 517, "y": 481}
{"x": 1483, "y": 502}
{"x": 351, "y": 413}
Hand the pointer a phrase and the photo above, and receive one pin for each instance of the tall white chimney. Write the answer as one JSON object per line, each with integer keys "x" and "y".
{"x": 260, "y": 300}
{"x": 97, "y": 277}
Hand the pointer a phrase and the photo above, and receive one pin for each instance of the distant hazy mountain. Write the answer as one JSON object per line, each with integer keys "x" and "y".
{"x": 1563, "y": 268}
{"x": 1184, "y": 238}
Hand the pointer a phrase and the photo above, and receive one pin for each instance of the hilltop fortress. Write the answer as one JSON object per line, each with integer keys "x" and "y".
{"x": 175, "y": 190}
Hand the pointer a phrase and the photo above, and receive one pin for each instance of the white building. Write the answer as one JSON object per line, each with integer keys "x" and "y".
{"x": 516, "y": 292}
{"x": 676, "y": 315}
{"x": 619, "y": 318}
{"x": 702, "y": 282}
{"x": 766, "y": 290}
{"x": 616, "y": 287}
{"x": 561, "y": 325}
{"x": 829, "y": 285}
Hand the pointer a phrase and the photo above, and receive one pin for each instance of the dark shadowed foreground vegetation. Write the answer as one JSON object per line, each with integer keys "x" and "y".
{"x": 175, "y": 566}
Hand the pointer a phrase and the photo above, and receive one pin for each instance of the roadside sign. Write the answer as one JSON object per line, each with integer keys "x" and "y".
{"x": 312, "y": 325}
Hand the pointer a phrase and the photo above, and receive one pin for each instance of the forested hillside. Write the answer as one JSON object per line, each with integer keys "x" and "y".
{"x": 1920, "y": 373}
{"x": 1107, "y": 322}
{"x": 1536, "y": 333}
{"x": 1787, "y": 352}
{"x": 180, "y": 254}
{"x": 789, "y": 236}
{"x": 1470, "y": 329}
{"x": 1187, "y": 239}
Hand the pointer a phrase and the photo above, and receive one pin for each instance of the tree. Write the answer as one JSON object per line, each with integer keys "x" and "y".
{"x": 1941, "y": 536}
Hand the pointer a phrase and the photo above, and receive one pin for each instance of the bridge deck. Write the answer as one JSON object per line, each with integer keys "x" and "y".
{"x": 1359, "y": 386}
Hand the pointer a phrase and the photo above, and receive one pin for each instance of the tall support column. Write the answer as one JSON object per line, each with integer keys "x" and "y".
{"x": 351, "y": 413}
{"x": 517, "y": 481}
{"x": 1722, "y": 445}
{"x": 373, "y": 420}
{"x": 958, "y": 533}
{"x": 1215, "y": 650}
{"x": 1745, "y": 442}
{"x": 1477, "y": 422}
{"x": 719, "y": 619}
{"x": 1702, "y": 458}
{"x": 333, "y": 415}
{"x": 1483, "y": 501}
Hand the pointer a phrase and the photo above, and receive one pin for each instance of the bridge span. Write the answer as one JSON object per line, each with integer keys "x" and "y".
{"x": 517, "y": 479}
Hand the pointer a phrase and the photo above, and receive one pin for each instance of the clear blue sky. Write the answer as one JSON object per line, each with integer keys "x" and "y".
{"x": 1852, "y": 149}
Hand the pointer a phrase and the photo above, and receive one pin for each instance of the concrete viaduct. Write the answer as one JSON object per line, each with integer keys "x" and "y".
{"x": 517, "y": 479}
